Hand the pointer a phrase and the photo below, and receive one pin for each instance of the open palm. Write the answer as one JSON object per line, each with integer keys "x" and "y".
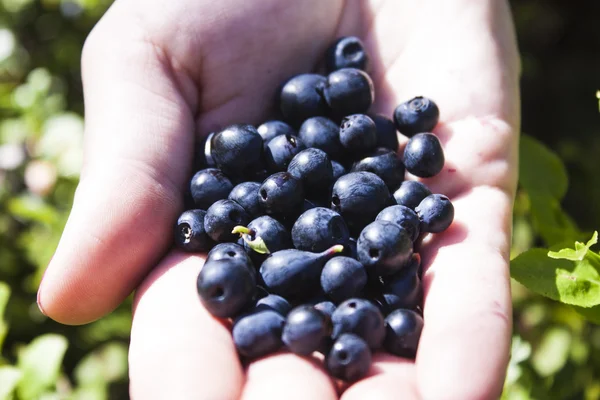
{"x": 158, "y": 73}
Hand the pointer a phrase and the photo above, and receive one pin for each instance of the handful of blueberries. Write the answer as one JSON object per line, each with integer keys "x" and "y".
{"x": 310, "y": 224}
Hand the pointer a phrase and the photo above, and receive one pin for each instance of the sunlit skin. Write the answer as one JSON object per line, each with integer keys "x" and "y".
{"x": 157, "y": 73}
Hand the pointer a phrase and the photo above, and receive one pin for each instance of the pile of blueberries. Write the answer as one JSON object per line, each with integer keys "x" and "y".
{"x": 310, "y": 224}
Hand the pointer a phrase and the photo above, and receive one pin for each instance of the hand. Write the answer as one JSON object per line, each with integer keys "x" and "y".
{"x": 156, "y": 73}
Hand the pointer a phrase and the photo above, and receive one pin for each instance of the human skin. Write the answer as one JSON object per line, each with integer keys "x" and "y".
{"x": 157, "y": 74}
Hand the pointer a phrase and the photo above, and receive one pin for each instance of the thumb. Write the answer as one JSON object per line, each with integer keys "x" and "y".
{"x": 138, "y": 147}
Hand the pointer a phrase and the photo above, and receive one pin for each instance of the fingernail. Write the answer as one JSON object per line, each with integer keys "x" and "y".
{"x": 39, "y": 303}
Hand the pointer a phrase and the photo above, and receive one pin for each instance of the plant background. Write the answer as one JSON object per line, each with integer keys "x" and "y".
{"x": 556, "y": 353}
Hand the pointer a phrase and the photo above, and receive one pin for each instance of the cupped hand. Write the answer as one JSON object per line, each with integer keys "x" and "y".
{"x": 157, "y": 74}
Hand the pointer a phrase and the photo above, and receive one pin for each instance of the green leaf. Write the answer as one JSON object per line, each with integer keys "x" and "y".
{"x": 4, "y": 296}
{"x": 570, "y": 282}
{"x": 576, "y": 254}
{"x": 103, "y": 366}
{"x": 549, "y": 219}
{"x": 9, "y": 379}
{"x": 40, "y": 363}
{"x": 553, "y": 352}
{"x": 591, "y": 314}
{"x": 540, "y": 169}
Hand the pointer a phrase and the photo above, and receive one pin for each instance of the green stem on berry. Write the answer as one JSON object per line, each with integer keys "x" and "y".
{"x": 338, "y": 248}
{"x": 257, "y": 244}
{"x": 241, "y": 230}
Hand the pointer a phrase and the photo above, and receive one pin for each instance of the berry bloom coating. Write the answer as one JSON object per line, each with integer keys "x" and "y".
{"x": 384, "y": 248}
{"x": 403, "y": 331}
{"x": 359, "y": 197}
{"x": 275, "y": 303}
{"x": 349, "y": 91}
{"x": 416, "y": 115}
{"x": 246, "y": 195}
{"x": 305, "y": 330}
{"x": 208, "y": 186}
{"x": 281, "y": 194}
{"x": 270, "y": 129}
{"x": 423, "y": 155}
{"x": 338, "y": 170}
{"x": 321, "y": 133}
{"x": 349, "y": 358}
{"x": 258, "y": 334}
{"x": 237, "y": 148}
{"x": 358, "y": 134}
{"x": 361, "y": 317}
{"x": 402, "y": 216}
{"x": 346, "y": 52}
{"x": 226, "y": 286}
{"x": 343, "y": 278}
{"x": 280, "y": 151}
{"x": 302, "y": 97}
{"x": 313, "y": 168}
{"x": 411, "y": 193}
{"x": 385, "y": 164}
{"x": 387, "y": 136}
{"x": 436, "y": 213}
{"x": 295, "y": 273}
{"x": 222, "y": 217}
{"x": 318, "y": 229}
{"x": 190, "y": 234}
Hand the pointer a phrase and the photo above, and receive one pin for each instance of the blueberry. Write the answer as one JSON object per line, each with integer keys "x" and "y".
{"x": 385, "y": 164}
{"x": 326, "y": 307}
{"x": 346, "y": 52}
{"x": 416, "y": 115}
{"x": 359, "y": 197}
{"x": 308, "y": 205}
{"x": 258, "y": 334}
{"x": 321, "y": 133}
{"x": 411, "y": 193}
{"x": 203, "y": 158}
{"x": 318, "y": 229}
{"x": 349, "y": 91}
{"x": 403, "y": 331}
{"x": 222, "y": 217}
{"x": 275, "y": 236}
{"x": 358, "y": 134}
{"x": 403, "y": 216}
{"x": 423, "y": 155}
{"x": 436, "y": 213}
{"x": 246, "y": 195}
{"x": 343, "y": 278}
{"x": 384, "y": 248}
{"x": 361, "y": 317}
{"x": 237, "y": 148}
{"x": 226, "y": 286}
{"x": 338, "y": 170}
{"x": 302, "y": 97}
{"x": 387, "y": 135}
{"x": 349, "y": 359}
{"x": 190, "y": 234}
{"x": 313, "y": 168}
{"x": 281, "y": 194}
{"x": 275, "y": 303}
{"x": 280, "y": 151}
{"x": 294, "y": 273}
{"x": 403, "y": 290}
{"x": 305, "y": 330}
{"x": 350, "y": 249}
{"x": 228, "y": 251}
{"x": 208, "y": 186}
{"x": 270, "y": 129}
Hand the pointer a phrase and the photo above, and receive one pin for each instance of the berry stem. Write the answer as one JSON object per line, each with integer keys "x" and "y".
{"x": 241, "y": 230}
{"x": 338, "y": 248}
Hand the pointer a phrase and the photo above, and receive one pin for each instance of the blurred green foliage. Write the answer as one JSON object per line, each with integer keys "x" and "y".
{"x": 555, "y": 351}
